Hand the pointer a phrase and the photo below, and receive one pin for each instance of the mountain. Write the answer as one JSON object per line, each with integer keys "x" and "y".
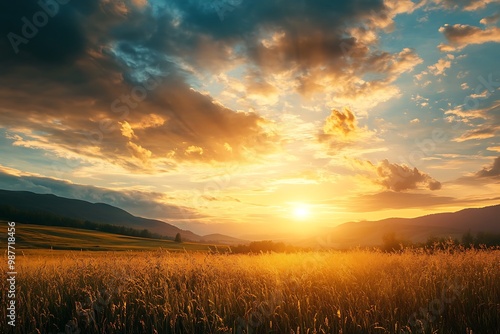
{"x": 222, "y": 239}
{"x": 370, "y": 233}
{"x": 364, "y": 233}
{"x": 83, "y": 210}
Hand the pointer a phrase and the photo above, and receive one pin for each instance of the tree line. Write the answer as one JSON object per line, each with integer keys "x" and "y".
{"x": 266, "y": 246}
{"x": 391, "y": 243}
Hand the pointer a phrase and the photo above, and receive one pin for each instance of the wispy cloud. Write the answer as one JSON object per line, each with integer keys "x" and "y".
{"x": 466, "y": 5}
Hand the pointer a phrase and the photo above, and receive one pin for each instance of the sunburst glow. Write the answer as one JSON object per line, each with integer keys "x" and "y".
{"x": 301, "y": 212}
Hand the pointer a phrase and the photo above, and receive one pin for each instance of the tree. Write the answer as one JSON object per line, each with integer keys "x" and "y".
{"x": 178, "y": 237}
{"x": 390, "y": 242}
{"x": 467, "y": 239}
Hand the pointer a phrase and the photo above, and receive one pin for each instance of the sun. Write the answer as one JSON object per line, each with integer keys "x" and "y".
{"x": 301, "y": 212}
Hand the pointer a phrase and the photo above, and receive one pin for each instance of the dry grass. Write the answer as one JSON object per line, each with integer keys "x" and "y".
{"x": 331, "y": 292}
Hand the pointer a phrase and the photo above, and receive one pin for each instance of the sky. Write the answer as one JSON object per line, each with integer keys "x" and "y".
{"x": 253, "y": 118}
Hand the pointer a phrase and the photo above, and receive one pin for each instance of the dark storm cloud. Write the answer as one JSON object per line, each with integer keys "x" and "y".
{"x": 312, "y": 40}
{"x": 247, "y": 18}
{"x": 43, "y": 31}
{"x": 79, "y": 84}
{"x": 84, "y": 77}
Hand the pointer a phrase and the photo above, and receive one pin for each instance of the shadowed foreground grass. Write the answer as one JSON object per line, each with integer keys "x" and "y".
{"x": 321, "y": 292}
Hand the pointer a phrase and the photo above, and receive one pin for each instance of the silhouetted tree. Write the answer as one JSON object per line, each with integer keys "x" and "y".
{"x": 178, "y": 237}
{"x": 467, "y": 239}
{"x": 390, "y": 243}
{"x": 487, "y": 239}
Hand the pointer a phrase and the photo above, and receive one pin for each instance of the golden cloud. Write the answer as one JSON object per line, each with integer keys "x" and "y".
{"x": 467, "y": 5}
{"x": 341, "y": 130}
{"x": 461, "y": 35}
{"x": 401, "y": 177}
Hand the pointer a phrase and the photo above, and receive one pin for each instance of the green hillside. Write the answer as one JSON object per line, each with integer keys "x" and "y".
{"x": 26, "y": 203}
{"x": 30, "y": 236}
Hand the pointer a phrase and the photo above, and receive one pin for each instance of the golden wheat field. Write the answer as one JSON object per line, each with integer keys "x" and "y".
{"x": 314, "y": 292}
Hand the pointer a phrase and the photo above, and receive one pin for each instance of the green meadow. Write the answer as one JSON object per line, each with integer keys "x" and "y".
{"x": 38, "y": 237}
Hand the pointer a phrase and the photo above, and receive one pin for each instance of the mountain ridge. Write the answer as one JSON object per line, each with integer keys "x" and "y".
{"x": 365, "y": 233}
{"x": 417, "y": 229}
{"x": 85, "y": 210}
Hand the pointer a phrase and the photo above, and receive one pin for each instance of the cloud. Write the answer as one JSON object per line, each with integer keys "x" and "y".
{"x": 127, "y": 130}
{"x": 489, "y": 116}
{"x": 484, "y": 94}
{"x": 392, "y": 200}
{"x": 466, "y": 5}
{"x": 466, "y": 115}
{"x": 460, "y": 35}
{"x": 395, "y": 200}
{"x": 393, "y": 176}
{"x": 490, "y": 20}
{"x": 440, "y": 67}
{"x": 139, "y": 152}
{"x": 300, "y": 48}
{"x": 341, "y": 129}
{"x": 340, "y": 123}
{"x": 420, "y": 100}
{"x": 480, "y": 132}
{"x": 100, "y": 87}
{"x": 145, "y": 204}
{"x": 487, "y": 177}
{"x": 401, "y": 177}
{"x": 494, "y": 148}
{"x": 61, "y": 39}
{"x": 104, "y": 91}
{"x": 491, "y": 171}
{"x": 159, "y": 129}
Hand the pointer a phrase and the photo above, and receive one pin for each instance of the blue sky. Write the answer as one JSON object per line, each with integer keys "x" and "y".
{"x": 232, "y": 116}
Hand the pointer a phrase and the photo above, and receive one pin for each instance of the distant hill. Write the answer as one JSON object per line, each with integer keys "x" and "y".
{"x": 370, "y": 233}
{"x": 83, "y": 210}
{"x": 222, "y": 239}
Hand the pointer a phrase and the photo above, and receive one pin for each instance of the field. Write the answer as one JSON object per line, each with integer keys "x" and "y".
{"x": 315, "y": 292}
{"x": 68, "y": 238}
